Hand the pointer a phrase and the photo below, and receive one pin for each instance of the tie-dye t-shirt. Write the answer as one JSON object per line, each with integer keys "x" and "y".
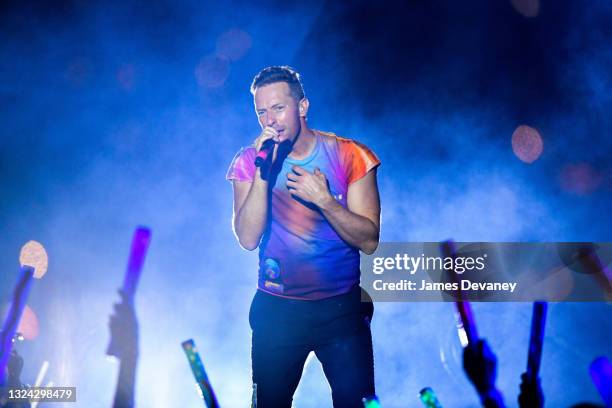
{"x": 300, "y": 254}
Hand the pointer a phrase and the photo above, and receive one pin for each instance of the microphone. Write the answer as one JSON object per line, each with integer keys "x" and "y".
{"x": 262, "y": 154}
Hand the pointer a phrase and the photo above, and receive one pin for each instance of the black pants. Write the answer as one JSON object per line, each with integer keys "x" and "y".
{"x": 285, "y": 331}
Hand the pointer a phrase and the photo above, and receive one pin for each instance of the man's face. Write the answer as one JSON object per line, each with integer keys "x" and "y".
{"x": 276, "y": 107}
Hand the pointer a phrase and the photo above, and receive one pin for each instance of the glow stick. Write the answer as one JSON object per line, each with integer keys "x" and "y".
{"x": 371, "y": 402}
{"x": 20, "y": 296}
{"x": 199, "y": 373}
{"x": 601, "y": 374}
{"x": 536, "y": 340}
{"x": 138, "y": 251}
{"x": 428, "y": 398}
{"x": 140, "y": 244}
{"x": 466, "y": 325}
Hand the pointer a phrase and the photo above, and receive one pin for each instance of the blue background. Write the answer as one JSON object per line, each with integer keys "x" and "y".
{"x": 118, "y": 114}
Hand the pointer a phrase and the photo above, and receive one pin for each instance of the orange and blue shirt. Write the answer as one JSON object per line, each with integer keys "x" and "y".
{"x": 300, "y": 254}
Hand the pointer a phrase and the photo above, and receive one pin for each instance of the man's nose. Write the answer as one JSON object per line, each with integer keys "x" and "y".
{"x": 269, "y": 119}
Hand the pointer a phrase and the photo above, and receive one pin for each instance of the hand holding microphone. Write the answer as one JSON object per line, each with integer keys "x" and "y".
{"x": 266, "y": 143}
{"x": 262, "y": 154}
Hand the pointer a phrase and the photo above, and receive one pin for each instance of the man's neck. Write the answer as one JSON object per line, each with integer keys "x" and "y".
{"x": 304, "y": 144}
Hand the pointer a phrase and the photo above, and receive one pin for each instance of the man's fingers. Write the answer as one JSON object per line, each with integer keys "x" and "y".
{"x": 260, "y": 141}
{"x": 292, "y": 176}
{"x": 299, "y": 170}
{"x": 275, "y": 152}
{"x": 270, "y": 133}
{"x": 319, "y": 174}
{"x": 296, "y": 193}
{"x": 267, "y": 133}
{"x": 292, "y": 186}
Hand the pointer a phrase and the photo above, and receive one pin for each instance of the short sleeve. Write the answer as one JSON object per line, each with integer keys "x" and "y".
{"x": 359, "y": 160}
{"x": 243, "y": 165}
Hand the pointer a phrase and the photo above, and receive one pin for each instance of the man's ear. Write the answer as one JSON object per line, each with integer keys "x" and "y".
{"x": 303, "y": 107}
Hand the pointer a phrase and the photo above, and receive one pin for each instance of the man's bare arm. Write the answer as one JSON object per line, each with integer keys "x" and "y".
{"x": 359, "y": 224}
{"x": 250, "y": 211}
{"x": 251, "y": 199}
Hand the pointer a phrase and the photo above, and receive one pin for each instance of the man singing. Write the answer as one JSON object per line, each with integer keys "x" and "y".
{"x": 310, "y": 208}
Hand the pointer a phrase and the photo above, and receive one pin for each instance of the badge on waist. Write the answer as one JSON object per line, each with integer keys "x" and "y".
{"x": 271, "y": 275}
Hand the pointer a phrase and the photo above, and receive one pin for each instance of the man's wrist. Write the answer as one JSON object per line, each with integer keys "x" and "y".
{"x": 328, "y": 204}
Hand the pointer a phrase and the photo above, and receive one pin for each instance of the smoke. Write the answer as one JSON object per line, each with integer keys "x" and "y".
{"x": 118, "y": 115}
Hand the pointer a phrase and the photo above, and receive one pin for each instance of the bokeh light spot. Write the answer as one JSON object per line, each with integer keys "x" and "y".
{"x": 579, "y": 178}
{"x": 234, "y": 44}
{"x": 33, "y": 254}
{"x": 212, "y": 72}
{"x": 527, "y": 144}
{"x": 28, "y": 326}
{"x": 527, "y": 8}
